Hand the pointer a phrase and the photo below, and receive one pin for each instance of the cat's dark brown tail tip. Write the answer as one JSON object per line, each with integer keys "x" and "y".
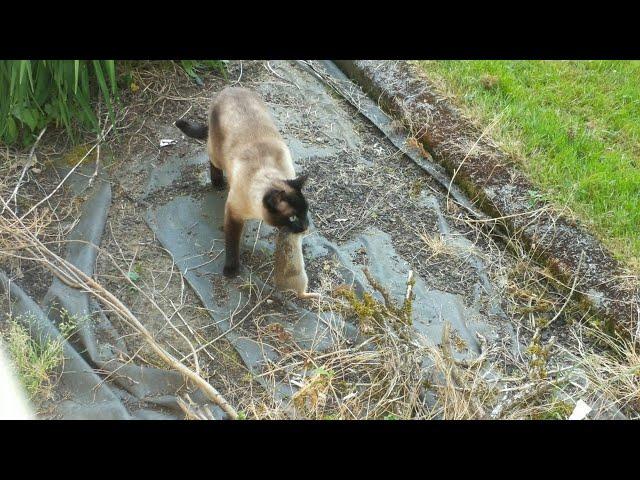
{"x": 192, "y": 129}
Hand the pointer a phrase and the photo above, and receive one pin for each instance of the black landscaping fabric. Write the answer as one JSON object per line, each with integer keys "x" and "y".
{"x": 98, "y": 383}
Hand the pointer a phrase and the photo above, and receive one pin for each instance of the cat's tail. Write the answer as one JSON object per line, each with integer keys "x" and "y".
{"x": 192, "y": 129}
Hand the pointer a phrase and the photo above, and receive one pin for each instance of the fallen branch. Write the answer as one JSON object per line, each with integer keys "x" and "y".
{"x": 193, "y": 411}
{"x": 76, "y": 278}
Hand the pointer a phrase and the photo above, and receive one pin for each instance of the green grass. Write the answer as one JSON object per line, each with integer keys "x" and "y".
{"x": 37, "y": 93}
{"x": 574, "y": 127}
{"x": 65, "y": 93}
{"x": 35, "y": 361}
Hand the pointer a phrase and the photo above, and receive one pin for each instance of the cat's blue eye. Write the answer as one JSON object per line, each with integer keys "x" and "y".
{"x": 293, "y": 218}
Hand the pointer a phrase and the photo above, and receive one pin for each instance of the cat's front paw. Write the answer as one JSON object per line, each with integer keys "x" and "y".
{"x": 231, "y": 271}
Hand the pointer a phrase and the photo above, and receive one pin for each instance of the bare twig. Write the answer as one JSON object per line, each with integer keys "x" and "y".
{"x": 193, "y": 411}
{"x": 26, "y": 167}
{"x": 76, "y": 278}
{"x": 270, "y": 68}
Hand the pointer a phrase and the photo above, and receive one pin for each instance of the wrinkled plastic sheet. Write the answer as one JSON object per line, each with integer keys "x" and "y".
{"x": 188, "y": 225}
{"x": 121, "y": 390}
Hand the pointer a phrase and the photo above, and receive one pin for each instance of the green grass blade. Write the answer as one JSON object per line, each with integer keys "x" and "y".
{"x": 111, "y": 70}
{"x": 23, "y": 66}
{"x": 76, "y": 65}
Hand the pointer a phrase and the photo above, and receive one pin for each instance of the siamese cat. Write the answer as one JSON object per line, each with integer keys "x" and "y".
{"x": 244, "y": 143}
{"x": 289, "y": 271}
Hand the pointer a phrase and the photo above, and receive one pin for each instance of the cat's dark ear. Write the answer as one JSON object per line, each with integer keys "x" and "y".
{"x": 298, "y": 182}
{"x": 273, "y": 198}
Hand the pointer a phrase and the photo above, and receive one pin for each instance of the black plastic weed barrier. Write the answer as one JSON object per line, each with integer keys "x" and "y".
{"x": 376, "y": 203}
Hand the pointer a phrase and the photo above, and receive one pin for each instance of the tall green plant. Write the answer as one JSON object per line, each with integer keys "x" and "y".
{"x": 35, "y": 93}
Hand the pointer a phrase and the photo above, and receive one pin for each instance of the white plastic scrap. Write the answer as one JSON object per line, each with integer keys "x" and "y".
{"x": 166, "y": 142}
{"x": 581, "y": 411}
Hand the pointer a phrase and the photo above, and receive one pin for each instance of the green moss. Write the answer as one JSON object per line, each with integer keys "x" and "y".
{"x": 416, "y": 188}
{"x": 78, "y": 153}
{"x": 366, "y": 310}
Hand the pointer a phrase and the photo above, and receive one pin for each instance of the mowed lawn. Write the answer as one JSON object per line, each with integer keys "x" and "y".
{"x": 574, "y": 127}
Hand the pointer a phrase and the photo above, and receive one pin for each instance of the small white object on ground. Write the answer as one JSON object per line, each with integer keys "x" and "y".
{"x": 166, "y": 142}
{"x": 581, "y": 411}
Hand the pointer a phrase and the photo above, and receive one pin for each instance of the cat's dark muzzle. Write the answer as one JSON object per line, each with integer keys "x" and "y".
{"x": 297, "y": 228}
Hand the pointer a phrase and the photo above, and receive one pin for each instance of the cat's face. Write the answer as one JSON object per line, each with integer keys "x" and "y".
{"x": 287, "y": 208}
